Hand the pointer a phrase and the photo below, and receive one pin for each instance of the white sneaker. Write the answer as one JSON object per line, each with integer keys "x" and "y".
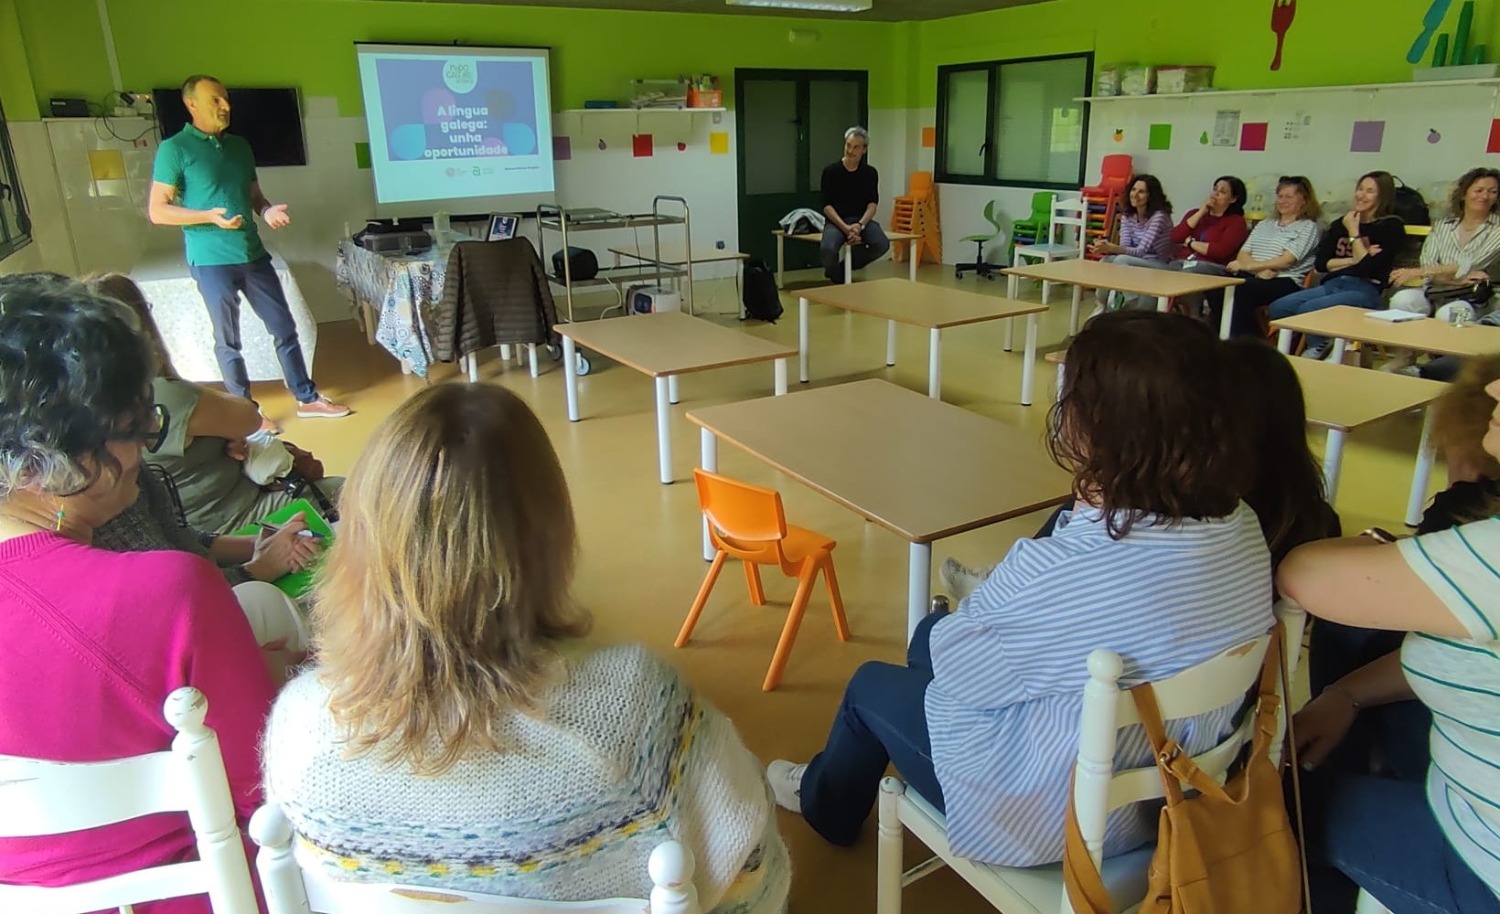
{"x": 786, "y": 784}
{"x": 1318, "y": 353}
{"x": 959, "y": 579}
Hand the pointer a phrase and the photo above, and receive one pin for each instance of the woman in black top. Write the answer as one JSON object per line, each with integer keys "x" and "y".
{"x": 1355, "y": 257}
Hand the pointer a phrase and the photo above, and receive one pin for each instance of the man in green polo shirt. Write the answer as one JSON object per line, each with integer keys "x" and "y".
{"x": 204, "y": 180}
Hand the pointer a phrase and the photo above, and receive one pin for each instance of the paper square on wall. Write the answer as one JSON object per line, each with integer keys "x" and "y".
{"x": 106, "y": 165}
{"x": 562, "y": 148}
{"x": 929, "y": 137}
{"x": 718, "y": 143}
{"x": 1253, "y": 136}
{"x": 641, "y": 143}
{"x": 361, "y": 155}
{"x": 1160, "y": 137}
{"x": 1494, "y": 143}
{"x": 1368, "y": 136}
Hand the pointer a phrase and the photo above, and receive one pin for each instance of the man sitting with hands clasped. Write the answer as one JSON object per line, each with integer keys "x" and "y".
{"x": 851, "y": 191}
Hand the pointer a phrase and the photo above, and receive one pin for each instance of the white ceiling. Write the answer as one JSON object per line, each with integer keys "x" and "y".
{"x": 883, "y": 11}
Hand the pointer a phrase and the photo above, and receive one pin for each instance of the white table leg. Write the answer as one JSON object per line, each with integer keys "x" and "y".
{"x": 848, "y": 264}
{"x": 934, "y": 362}
{"x": 1010, "y": 334}
{"x": 1073, "y": 315}
{"x": 1012, "y": 283}
{"x": 405, "y": 367}
{"x": 473, "y": 368}
{"x": 803, "y": 322}
{"x": 570, "y": 376}
{"x": 534, "y": 369}
{"x": 781, "y": 377}
{"x": 1333, "y": 458}
{"x": 708, "y": 458}
{"x": 1163, "y": 303}
{"x": 911, "y": 257}
{"x": 1284, "y": 341}
{"x": 918, "y": 585}
{"x": 1422, "y": 473}
{"x": 672, "y": 393}
{"x": 1340, "y": 345}
{"x": 664, "y": 429}
{"x": 1226, "y": 320}
{"x": 1028, "y": 367}
{"x": 780, "y": 260}
{"x": 505, "y": 352}
{"x": 890, "y": 342}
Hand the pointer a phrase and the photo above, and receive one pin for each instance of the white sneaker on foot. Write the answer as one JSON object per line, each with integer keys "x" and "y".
{"x": 786, "y": 783}
{"x": 960, "y": 579}
{"x": 1317, "y": 353}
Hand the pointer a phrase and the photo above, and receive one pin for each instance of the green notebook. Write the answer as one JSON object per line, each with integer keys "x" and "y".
{"x": 297, "y": 583}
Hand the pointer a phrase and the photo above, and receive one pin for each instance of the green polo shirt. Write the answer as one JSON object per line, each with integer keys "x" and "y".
{"x": 210, "y": 171}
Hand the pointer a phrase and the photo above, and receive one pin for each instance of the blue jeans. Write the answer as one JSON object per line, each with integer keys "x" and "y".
{"x": 1340, "y": 290}
{"x": 1380, "y": 835}
{"x": 220, "y": 286}
{"x": 874, "y": 246}
{"x": 882, "y": 721}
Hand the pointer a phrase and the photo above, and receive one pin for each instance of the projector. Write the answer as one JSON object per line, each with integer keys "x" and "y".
{"x": 413, "y": 242}
{"x": 651, "y": 299}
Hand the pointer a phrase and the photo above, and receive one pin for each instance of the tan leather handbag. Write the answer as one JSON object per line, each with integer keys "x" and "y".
{"x": 1222, "y": 850}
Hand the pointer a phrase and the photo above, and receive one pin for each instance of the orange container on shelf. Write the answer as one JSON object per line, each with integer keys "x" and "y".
{"x": 705, "y": 98}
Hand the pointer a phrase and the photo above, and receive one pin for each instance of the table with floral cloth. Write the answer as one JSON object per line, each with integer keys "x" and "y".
{"x": 402, "y": 290}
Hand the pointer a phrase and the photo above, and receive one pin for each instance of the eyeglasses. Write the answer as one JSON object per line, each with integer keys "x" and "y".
{"x": 150, "y": 429}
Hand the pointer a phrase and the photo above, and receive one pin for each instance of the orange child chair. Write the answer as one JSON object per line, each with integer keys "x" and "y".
{"x": 747, "y": 523}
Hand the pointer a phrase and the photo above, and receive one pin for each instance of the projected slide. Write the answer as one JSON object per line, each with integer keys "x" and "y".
{"x": 457, "y": 123}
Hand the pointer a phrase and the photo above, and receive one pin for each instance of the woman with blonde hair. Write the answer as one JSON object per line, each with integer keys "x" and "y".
{"x": 1276, "y": 257}
{"x": 455, "y": 733}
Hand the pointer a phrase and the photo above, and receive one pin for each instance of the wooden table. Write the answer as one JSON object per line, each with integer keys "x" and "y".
{"x": 1342, "y": 398}
{"x": 677, "y": 257}
{"x": 1162, "y": 285}
{"x": 1346, "y": 322}
{"x": 665, "y": 345}
{"x": 921, "y": 305}
{"x": 847, "y": 252}
{"x": 920, "y": 468}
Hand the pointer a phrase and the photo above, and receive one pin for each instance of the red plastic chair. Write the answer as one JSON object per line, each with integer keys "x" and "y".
{"x": 747, "y": 523}
{"x": 1114, "y": 171}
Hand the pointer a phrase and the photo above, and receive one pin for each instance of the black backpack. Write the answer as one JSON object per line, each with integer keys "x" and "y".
{"x": 762, "y": 301}
{"x": 1410, "y": 206}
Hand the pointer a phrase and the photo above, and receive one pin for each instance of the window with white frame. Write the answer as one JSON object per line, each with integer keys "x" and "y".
{"x": 15, "y": 224}
{"x": 1014, "y": 122}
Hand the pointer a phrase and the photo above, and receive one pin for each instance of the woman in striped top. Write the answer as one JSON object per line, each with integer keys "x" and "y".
{"x": 1145, "y": 231}
{"x": 1414, "y": 847}
{"x": 1276, "y": 258}
{"x": 1160, "y": 562}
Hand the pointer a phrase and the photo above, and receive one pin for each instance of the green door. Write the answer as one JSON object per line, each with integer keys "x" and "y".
{"x": 790, "y": 124}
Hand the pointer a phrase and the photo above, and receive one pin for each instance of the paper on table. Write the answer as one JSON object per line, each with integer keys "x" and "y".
{"x": 1394, "y": 316}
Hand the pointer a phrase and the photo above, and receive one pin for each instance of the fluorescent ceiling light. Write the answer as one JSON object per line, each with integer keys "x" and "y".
{"x": 832, "y": 6}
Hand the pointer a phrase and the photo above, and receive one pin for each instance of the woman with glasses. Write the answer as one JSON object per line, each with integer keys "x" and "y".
{"x": 95, "y": 641}
{"x": 205, "y": 451}
{"x": 1276, "y": 257}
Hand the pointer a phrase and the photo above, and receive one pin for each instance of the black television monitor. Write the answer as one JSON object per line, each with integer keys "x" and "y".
{"x": 270, "y": 120}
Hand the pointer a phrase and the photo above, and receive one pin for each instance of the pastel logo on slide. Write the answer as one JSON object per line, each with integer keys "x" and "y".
{"x": 461, "y": 74}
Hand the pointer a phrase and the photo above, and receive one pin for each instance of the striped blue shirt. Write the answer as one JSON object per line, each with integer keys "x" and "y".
{"x": 1010, "y": 666}
{"x": 1459, "y": 680}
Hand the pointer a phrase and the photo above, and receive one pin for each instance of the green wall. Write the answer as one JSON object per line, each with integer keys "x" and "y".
{"x": 1329, "y": 43}
{"x": 309, "y": 43}
{"x": 17, "y": 94}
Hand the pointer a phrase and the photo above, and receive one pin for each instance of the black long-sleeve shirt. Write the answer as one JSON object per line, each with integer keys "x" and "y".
{"x": 850, "y": 193}
{"x": 1388, "y": 231}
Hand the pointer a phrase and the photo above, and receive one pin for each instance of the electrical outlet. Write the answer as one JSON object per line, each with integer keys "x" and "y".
{"x": 718, "y": 245}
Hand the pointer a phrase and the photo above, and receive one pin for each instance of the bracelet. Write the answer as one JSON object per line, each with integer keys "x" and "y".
{"x": 1354, "y": 702}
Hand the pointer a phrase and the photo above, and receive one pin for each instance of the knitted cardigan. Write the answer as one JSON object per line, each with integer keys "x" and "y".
{"x": 620, "y": 756}
{"x": 155, "y": 522}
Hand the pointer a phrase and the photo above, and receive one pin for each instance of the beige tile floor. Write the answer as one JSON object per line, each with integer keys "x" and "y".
{"x": 640, "y": 565}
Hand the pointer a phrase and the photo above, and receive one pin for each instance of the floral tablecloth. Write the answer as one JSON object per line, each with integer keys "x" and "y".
{"x": 403, "y": 289}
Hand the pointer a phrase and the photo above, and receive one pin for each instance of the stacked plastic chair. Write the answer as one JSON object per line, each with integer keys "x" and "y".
{"x": 1105, "y": 199}
{"x": 1033, "y": 229}
{"x": 916, "y": 212}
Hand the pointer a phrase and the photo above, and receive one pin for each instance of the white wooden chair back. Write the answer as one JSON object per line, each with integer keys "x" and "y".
{"x": 1098, "y": 788}
{"x": 39, "y": 798}
{"x": 1069, "y": 213}
{"x": 289, "y": 889}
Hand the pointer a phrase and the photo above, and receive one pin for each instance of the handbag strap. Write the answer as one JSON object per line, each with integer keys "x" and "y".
{"x": 1291, "y": 756}
{"x": 1081, "y": 879}
{"x": 1167, "y": 750}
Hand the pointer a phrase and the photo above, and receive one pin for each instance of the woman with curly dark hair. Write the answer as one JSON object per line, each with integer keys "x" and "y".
{"x": 1145, "y": 230}
{"x": 1161, "y": 560}
{"x": 108, "y": 635}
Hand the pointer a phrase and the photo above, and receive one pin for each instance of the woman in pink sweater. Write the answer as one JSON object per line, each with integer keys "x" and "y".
{"x": 110, "y": 635}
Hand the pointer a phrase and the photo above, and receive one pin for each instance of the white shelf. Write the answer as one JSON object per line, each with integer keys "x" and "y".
{"x": 643, "y": 111}
{"x": 1229, "y": 93}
